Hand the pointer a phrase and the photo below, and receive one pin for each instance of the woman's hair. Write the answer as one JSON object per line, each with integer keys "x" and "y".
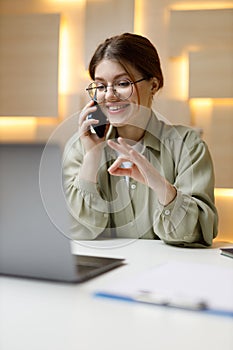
{"x": 129, "y": 50}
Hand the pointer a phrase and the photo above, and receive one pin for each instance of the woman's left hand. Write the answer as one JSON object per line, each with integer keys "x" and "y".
{"x": 141, "y": 168}
{"x": 141, "y": 171}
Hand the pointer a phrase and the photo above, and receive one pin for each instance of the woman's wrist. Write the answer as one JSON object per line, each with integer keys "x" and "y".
{"x": 90, "y": 166}
{"x": 166, "y": 192}
{"x": 171, "y": 194}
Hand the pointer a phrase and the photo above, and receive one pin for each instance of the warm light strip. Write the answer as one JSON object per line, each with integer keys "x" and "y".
{"x": 18, "y": 129}
{"x": 181, "y": 77}
{"x": 138, "y": 16}
{"x": 65, "y": 1}
{"x": 63, "y": 84}
{"x": 208, "y": 102}
{"x": 202, "y": 6}
{"x": 9, "y": 124}
{"x": 17, "y": 121}
{"x": 47, "y": 121}
{"x": 184, "y": 77}
{"x": 201, "y": 102}
{"x": 223, "y": 101}
{"x": 223, "y": 192}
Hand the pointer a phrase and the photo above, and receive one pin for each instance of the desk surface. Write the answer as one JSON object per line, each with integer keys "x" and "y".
{"x": 39, "y": 315}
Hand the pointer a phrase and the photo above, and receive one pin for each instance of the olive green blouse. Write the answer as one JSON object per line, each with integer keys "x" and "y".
{"x": 119, "y": 207}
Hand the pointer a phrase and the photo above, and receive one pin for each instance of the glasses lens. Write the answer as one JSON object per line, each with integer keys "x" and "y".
{"x": 123, "y": 89}
{"x": 96, "y": 91}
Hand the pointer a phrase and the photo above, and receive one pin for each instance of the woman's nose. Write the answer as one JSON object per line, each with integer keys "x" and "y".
{"x": 109, "y": 94}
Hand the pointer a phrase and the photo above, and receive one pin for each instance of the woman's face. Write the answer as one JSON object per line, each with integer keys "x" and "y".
{"x": 119, "y": 112}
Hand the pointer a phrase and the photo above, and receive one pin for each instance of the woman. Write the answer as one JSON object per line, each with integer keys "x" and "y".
{"x": 142, "y": 178}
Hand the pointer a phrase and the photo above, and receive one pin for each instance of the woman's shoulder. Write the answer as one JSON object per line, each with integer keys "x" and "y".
{"x": 168, "y": 131}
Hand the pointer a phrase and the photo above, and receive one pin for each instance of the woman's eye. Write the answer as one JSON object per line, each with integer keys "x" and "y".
{"x": 123, "y": 84}
{"x": 100, "y": 87}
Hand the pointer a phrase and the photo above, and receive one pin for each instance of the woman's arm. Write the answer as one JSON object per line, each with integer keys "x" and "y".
{"x": 191, "y": 219}
{"x": 88, "y": 209}
{"x": 184, "y": 213}
{"x": 81, "y": 163}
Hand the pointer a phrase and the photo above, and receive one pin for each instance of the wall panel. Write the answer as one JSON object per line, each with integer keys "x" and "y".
{"x": 216, "y": 122}
{"x": 29, "y": 47}
{"x": 211, "y": 74}
{"x": 198, "y": 29}
{"x": 106, "y": 18}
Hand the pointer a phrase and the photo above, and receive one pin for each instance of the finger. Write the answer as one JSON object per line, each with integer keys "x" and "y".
{"x": 113, "y": 145}
{"x": 125, "y": 147}
{"x": 84, "y": 122}
{"x": 84, "y": 129}
{"x": 117, "y": 170}
{"x": 141, "y": 163}
{"x": 117, "y": 164}
{"x": 88, "y": 109}
{"x": 84, "y": 115}
{"x": 120, "y": 148}
{"x": 137, "y": 158}
{"x": 123, "y": 143}
{"x": 120, "y": 172}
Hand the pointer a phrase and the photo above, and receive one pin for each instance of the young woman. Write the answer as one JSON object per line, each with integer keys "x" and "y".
{"x": 142, "y": 178}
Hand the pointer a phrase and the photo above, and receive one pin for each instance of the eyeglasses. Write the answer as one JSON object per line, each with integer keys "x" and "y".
{"x": 122, "y": 89}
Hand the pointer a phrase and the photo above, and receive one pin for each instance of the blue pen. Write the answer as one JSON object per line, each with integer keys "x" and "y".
{"x": 183, "y": 302}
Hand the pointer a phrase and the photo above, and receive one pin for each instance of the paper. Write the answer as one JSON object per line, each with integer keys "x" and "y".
{"x": 177, "y": 281}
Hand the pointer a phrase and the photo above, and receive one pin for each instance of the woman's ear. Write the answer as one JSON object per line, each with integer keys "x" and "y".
{"x": 155, "y": 85}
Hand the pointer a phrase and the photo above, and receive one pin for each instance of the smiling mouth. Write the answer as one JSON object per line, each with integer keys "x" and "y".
{"x": 116, "y": 108}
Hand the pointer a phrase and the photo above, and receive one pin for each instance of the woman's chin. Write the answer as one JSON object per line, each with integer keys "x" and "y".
{"x": 117, "y": 125}
{"x": 121, "y": 119}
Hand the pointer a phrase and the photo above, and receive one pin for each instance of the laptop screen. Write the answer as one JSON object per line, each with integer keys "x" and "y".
{"x": 33, "y": 214}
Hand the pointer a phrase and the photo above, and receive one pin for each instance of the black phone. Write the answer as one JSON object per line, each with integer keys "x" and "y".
{"x": 98, "y": 114}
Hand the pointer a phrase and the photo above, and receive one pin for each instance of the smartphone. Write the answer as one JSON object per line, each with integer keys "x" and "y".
{"x": 101, "y": 127}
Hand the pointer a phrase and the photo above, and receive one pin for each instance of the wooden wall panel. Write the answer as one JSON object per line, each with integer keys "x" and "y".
{"x": 198, "y": 29}
{"x": 217, "y": 125}
{"x": 224, "y": 207}
{"x": 29, "y": 47}
{"x": 211, "y": 74}
{"x": 104, "y": 19}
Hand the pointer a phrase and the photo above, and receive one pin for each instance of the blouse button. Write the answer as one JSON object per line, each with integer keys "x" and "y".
{"x": 167, "y": 212}
{"x": 133, "y": 186}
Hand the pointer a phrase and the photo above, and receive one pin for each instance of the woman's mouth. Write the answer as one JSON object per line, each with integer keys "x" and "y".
{"x": 119, "y": 114}
{"x": 117, "y": 108}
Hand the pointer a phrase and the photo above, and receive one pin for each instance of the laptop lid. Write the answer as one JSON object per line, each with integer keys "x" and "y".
{"x": 34, "y": 218}
{"x": 30, "y": 243}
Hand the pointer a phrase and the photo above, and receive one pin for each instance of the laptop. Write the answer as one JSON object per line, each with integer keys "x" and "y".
{"x": 34, "y": 220}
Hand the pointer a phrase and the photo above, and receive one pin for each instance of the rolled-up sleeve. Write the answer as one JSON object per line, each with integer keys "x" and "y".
{"x": 191, "y": 218}
{"x": 89, "y": 211}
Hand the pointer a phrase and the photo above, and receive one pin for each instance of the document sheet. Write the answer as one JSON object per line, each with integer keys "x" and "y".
{"x": 185, "y": 285}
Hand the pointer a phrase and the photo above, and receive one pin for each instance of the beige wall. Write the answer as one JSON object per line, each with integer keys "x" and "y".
{"x": 194, "y": 40}
{"x": 29, "y": 64}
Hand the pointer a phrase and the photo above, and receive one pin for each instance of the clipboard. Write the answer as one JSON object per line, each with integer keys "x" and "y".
{"x": 227, "y": 252}
{"x": 188, "y": 286}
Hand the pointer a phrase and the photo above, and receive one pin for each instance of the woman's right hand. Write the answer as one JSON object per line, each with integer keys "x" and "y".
{"x": 89, "y": 139}
{"x": 91, "y": 142}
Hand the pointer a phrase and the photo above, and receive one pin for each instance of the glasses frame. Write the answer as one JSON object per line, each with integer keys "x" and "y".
{"x": 89, "y": 89}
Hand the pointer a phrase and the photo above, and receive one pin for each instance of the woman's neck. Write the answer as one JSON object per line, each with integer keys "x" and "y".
{"x": 131, "y": 132}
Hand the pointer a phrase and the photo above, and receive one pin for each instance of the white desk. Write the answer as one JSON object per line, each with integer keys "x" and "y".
{"x": 36, "y": 315}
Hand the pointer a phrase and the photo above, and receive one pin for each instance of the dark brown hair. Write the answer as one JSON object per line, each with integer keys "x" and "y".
{"x": 129, "y": 50}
